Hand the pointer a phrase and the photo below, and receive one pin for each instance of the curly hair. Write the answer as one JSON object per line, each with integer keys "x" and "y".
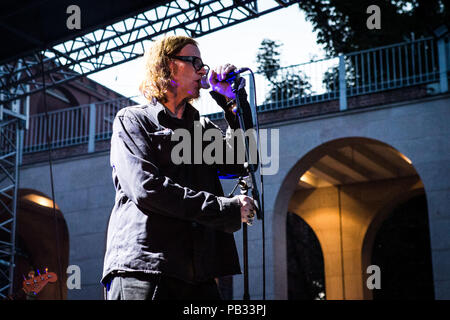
{"x": 156, "y": 63}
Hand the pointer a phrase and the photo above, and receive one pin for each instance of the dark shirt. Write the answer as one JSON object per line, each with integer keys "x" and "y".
{"x": 168, "y": 218}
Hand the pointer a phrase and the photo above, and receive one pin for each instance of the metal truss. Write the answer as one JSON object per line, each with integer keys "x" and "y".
{"x": 10, "y": 146}
{"x": 122, "y": 42}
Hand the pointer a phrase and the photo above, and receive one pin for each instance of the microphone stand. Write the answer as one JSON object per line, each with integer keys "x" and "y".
{"x": 250, "y": 169}
{"x": 244, "y": 190}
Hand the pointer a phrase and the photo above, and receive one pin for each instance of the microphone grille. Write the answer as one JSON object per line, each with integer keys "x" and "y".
{"x": 204, "y": 83}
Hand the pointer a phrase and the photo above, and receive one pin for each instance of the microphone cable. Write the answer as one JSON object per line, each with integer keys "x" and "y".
{"x": 261, "y": 195}
{"x": 49, "y": 144}
{"x": 256, "y": 120}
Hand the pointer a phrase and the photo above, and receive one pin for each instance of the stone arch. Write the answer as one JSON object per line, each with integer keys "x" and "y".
{"x": 345, "y": 193}
{"x": 42, "y": 241}
{"x": 374, "y": 226}
{"x": 305, "y": 264}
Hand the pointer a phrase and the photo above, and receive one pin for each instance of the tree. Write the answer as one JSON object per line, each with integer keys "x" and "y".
{"x": 341, "y": 24}
{"x": 268, "y": 58}
{"x": 331, "y": 77}
{"x": 341, "y": 27}
{"x": 285, "y": 84}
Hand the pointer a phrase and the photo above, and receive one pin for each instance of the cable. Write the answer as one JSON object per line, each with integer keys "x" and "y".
{"x": 55, "y": 218}
{"x": 341, "y": 242}
{"x": 261, "y": 185}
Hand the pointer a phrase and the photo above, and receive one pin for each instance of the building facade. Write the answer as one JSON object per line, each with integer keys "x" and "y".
{"x": 359, "y": 199}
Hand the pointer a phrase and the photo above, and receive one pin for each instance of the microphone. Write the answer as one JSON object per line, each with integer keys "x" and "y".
{"x": 233, "y": 74}
{"x": 204, "y": 83}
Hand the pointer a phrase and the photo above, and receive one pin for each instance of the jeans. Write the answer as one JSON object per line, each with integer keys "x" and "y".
{"x": 139, "y": 286}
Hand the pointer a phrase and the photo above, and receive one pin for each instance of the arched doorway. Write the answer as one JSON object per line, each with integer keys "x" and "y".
{"x": 306, "y": 280}
{"x": 402, "y": 251}
{"x": 42, "y": 241}
{"x": 340, "y": 188}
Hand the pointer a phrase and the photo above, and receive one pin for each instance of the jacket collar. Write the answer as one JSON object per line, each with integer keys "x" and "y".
{"x": 167, "y": 119}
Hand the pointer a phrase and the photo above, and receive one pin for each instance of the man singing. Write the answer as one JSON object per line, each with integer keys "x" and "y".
{"x": 170, "y": 233}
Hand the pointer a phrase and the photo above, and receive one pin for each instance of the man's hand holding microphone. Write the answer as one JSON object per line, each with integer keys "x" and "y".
{"x": 218, "y": 84}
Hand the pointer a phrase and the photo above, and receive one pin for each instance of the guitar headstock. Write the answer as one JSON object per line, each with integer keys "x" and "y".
{"x": 35, "y": 283}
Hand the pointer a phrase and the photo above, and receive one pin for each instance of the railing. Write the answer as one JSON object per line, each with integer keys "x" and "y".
{"x": 73, "y": 126}
{"x": 297, "y": 85}
{"x": 385, "y": 68}
{"x": 391, "y": 67}
{"x": 423, "y": 61}
{"x": 290, "y": 86}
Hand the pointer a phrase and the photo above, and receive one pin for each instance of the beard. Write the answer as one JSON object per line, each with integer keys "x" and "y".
{"x": 193, "y": 98}
{"x": 195, "y": 94}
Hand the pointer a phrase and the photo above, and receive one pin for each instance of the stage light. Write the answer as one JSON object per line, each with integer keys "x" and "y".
{"x": 40, "y": 200}
{"x": 309, "y": 179}
{"x": 405, "y": 158}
